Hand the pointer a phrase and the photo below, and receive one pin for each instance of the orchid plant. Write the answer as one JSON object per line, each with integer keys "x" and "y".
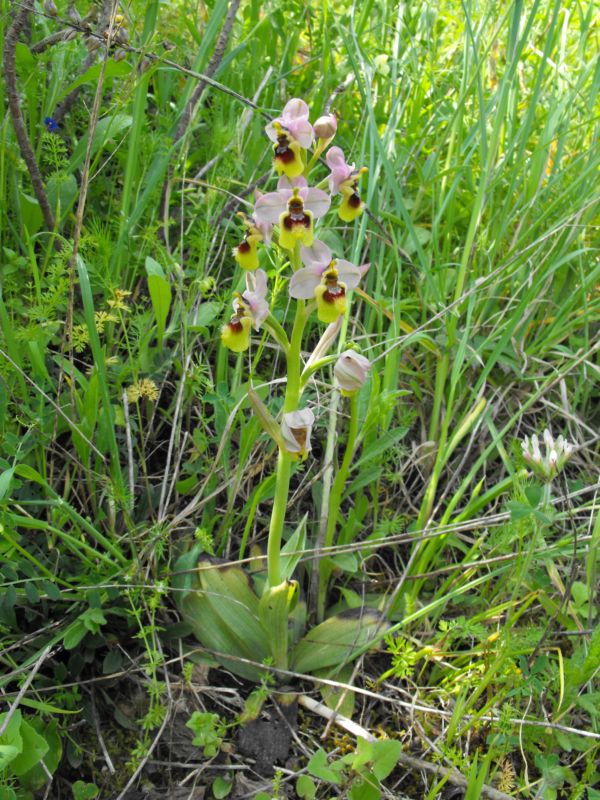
{"x": 252, "y": 620}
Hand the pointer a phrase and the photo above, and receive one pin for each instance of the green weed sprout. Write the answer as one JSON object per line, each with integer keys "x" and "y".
{"x": 229, "y": 613}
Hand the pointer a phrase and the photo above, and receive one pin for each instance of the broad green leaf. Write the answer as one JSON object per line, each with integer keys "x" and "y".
{"x": 8, "y": 753}
{"x": 74, "y": 634}
{"x": 379, "y": 446}
{"x": 320, "y": 768}
{"x": 291, "y": 552}
{"x": 24, "y": 58}
{"x": 11, "y": 741}
{"x": 223, "y": 613}
{"x": 221, "y": 787}
{"x": 35, "y": 747}
{"x": 84, "y": 791}
{"x": 337, "y": 641}
{"x": 160, "y": 294}
{"x": 62, "y": 189}
{"x": 333, "y": 694}
{"x": 207, "y": 312}
{"x": 106, "y": 130}
{"x": 306, "y": 787}
{"x": 31, "y": 213}
{"x": 114, "y": 69}
{"x": 274, "y": 609}
{"x": 366, "y": 788}
{"x": 5, "y": 481}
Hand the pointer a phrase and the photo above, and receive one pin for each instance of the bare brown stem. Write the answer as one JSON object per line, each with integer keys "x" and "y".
{"x": 22, "y": 11}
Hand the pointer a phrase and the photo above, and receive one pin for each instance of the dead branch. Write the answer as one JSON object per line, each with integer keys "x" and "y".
{"x": 10, "y": 44}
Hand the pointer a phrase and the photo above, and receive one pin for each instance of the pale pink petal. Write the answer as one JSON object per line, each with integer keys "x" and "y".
{"x": 265, "y": 229}
{"x": 317, "y": 253}
{"x": 286, "y": 185}
{"x": 259, "y": 308}
{"x": 272, "y": 131}
{"x": 269, "y": 207}
{"x": 295, "y": 109}
{"x": 317, "y": 201}
{"x": 348, "y": 274}
{"x": 363, "y": 268}
{"x": 335, "y": 159}
{"x": 302, "y": 131}
{"x": 304, "y": 282}
{"x": 254, "y": 296}
{"x": 257, "y": 282}
{"x": 340, "y": 171}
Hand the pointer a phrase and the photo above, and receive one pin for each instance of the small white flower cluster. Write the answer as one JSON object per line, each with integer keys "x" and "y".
{"x": 546, "y": 466}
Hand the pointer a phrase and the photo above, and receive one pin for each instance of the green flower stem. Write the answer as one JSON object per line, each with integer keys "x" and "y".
{"x": 317, "y": 365}
{"x": 290, "y": 403}
{"x": 322, "y": 145}
{"x": 282, "y": 486}
{"x": 335, "y": 500}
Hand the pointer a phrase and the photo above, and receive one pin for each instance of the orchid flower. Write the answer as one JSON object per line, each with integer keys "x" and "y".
{"x": 351, "y": 371}
{"x": 246, "y": 253}
{"x": 291, "y": 132}
{"x": 326, "y": 279}
{"x": 344, "y": 180}
{"x": 296, "y": 428}
{"x": 294, "y": 207}
{"x": 249, "y": 309}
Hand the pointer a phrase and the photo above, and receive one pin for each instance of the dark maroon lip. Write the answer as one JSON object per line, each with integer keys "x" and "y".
{"x": 292, "y": 219}
{"x": 333, "y": 293}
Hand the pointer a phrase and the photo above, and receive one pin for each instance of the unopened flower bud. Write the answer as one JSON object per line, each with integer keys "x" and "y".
{"x": 50, "y": 8}
{"x": 351, "y": 371}
{"x": 74, "y": 15}
{"x": 325, "y": 127}
{"x": 122, "y": 36}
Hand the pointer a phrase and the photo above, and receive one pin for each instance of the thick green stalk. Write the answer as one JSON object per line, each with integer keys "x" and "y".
{"x": 290, "y": 403}
{"x": 335, "y": 500}
{"x": 282, "y": 487}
